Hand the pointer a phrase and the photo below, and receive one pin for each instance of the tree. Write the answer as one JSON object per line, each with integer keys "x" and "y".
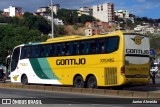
{"x": 65, "y": 15}
{"x": 86, "y": 18}
{"x": 59, "y": 30}
{"x": 12, "y": 36}
{"x": 36, "y": 22}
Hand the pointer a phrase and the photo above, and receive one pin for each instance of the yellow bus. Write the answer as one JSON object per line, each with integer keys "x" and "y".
{"x": 114, "y": 59}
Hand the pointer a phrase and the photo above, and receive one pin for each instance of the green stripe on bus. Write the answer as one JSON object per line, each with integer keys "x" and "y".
{"x": 43, "y": 62}
{"x": 37, "y": 69}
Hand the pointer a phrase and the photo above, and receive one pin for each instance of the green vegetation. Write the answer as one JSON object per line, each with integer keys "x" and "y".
{"x": 19, "y": 30}
{"x": 71, "y": 17}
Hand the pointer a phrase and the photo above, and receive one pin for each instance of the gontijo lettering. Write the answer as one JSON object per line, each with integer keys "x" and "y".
{"x": 137, "y": 51}
{"x": 80, "y": 61}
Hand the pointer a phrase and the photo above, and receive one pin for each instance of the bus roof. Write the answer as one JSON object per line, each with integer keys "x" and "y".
{"x": 75, "y": 37}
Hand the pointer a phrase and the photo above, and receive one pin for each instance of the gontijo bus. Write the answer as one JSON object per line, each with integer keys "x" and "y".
{"x": 113, "y": 59}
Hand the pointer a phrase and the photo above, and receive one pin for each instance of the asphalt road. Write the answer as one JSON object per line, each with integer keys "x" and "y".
{"x": 56, "y": 99}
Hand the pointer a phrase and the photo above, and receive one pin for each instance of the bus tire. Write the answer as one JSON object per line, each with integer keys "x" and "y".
{"x": 92, "y": 82}
{"x": 24, "y": 80}
{"x": 78, "y": 82}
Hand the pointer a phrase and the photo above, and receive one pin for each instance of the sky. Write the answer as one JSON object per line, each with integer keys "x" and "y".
{"x": 141, "y": 8}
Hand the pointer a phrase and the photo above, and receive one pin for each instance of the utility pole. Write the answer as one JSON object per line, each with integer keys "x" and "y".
{"x": 52, "y": 25}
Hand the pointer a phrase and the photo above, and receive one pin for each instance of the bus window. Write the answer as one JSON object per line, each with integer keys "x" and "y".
{"x": 67, "y": 51}
{"x": 63, "y": 49}
{"x": 52, "y": 50}
{"x": 42, "y": 51}
{"x": 112, "y": 44}
{"x": 15, "y": 58}
{"x": 101, "y": 47}
{"x": 70, "y": 48}
{"x": 29, "y": 52}
{"x": 84, "y": 47}
{"x": 57, "y": 50}
{"x": 37, "y": 51}
{"x": 92, "y": 46}
{"x": 47, "y": 49}
{"x": 23, "y": 53}
{"x": 33, "y": 52}
{"x": 75, "y": 48}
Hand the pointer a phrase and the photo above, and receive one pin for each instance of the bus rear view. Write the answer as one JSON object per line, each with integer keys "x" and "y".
{"x": 137, "y": 60}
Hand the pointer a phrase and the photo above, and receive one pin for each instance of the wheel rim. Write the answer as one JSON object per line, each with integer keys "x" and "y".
{"x": 24, "y": 80}
{"x": 79, "y": 82}
{"x": 92, "y": 83}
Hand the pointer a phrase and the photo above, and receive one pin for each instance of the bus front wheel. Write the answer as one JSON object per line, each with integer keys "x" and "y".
{"x": 24, "y": 80}
{"x": 92, "y": 82}
{"x": 78, "y": 82}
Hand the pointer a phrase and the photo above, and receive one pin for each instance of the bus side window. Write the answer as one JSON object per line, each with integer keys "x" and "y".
{"x": 67, "y": 51}
{"x": 80, "y": 48}
{"x": 37, "y": 51}
{"x": 57, "y": 50}
{"x": 23, "y": 53}
{"x": 84, "y": 47}
{"x": 33, "y": 51}
{"x": 28, "y": 52}
{"x": 42, "y": 51}
{"x": 51, "y": 53}
{"x": 47, "y": 50}
{"x": 102, "y": 46}
{"x": 92, "y": 46}
{"x": 75, "y": 48}
{"x": 63, "y": 49}
{"x": 70, "y": 48}
{"x": 112, "y": 44}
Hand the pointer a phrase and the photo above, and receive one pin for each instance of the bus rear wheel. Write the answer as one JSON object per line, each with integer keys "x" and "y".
{"x": 24, "y": 80}
{"x": 78, "y": 82}
{"x": 92, "y": 82}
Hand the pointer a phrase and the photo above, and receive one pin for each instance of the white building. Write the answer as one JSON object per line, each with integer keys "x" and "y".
{"x": 104, "y": 12}
{"x": 150, "y": 30}
{"x": 13, "y": 11}
{"x": 89, "y": 32}
{"x": 46, "y": 11}
{"x": 55, "y": 8}
{"x": 58, "y": 21}
{"x": 122, "y": 13}
{"x": 138, "y": 28}
{"x": 85, "y": 10}
{"x": 144, "y": 29}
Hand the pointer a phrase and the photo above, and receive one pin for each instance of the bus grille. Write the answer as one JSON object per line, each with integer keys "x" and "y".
{"x": 110, "y": 76}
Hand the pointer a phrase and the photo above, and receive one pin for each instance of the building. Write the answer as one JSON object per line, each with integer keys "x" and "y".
{"x": 55, "y": 8}
{"x": 46, "y": 11}
{"x": 144, "y": 29}
{"x": 58, "y": 21}
{"x": 104, "y": 12}
{"x": 96, "y": 28}
{"x": 85, "y": 10}
{"x": 122, "y": 13}
{"x": 13, "y": 11}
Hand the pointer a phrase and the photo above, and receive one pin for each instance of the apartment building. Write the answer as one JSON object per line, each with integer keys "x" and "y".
{"x": 13, "y": 11}
{"x": 122, "y": 13}
{"x": 104, "y": 12}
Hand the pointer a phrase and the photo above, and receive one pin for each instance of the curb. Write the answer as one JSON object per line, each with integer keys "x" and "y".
{"x": 106, "y": 92}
